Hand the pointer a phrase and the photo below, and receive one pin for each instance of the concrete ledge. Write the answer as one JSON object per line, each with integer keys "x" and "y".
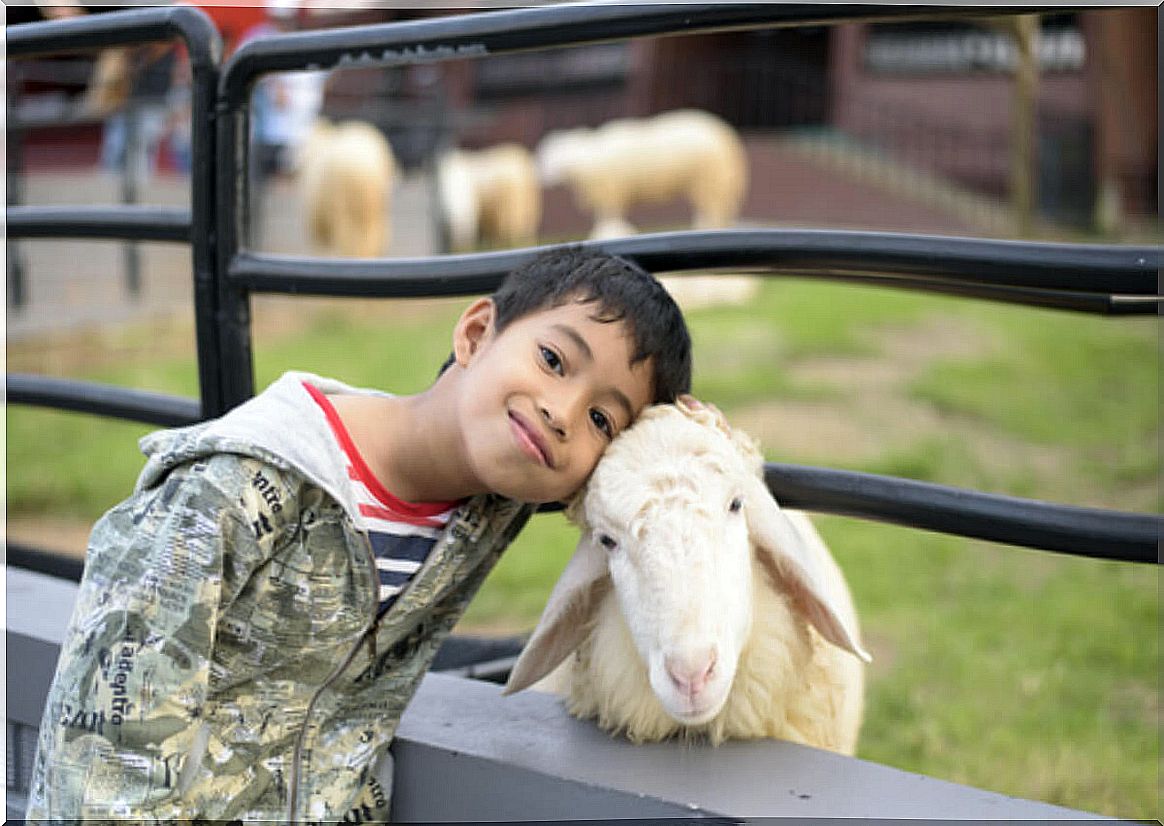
{"x": 524, "y": 758}
{"x": 37, "y": 615}
{"x": 465, "y": 753}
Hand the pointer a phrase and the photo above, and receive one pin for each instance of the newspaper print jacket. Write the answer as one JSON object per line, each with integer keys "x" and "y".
{"x": 224, "y": 661}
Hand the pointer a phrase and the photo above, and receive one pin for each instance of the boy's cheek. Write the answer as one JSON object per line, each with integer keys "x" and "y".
{"x": 581, "y": 483}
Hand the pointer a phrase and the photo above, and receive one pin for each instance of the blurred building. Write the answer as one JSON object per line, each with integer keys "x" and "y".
{"x": 931, "y": 94}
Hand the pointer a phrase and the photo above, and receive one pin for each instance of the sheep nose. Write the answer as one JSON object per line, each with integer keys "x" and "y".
{"x": 690, "y": 670}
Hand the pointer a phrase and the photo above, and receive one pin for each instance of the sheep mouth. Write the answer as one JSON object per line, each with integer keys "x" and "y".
{"x": 693, "y": 710}
{"x": 530, "y": 441}
{"x": 696, "y": 716}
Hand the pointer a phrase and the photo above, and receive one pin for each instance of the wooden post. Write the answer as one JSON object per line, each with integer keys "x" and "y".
{"x": 1024, "y": 30}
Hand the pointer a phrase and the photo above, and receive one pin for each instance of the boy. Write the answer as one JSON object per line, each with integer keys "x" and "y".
{"x": 254, "y": 619}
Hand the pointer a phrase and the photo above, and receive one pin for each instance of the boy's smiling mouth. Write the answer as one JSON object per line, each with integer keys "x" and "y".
{"x": 530, "y": 441}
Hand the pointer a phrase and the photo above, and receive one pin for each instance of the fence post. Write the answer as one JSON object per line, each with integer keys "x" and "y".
{"x": 233, "y": 302}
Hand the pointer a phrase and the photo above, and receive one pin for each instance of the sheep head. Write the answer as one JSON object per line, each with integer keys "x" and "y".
{"x": 674, "y": 518}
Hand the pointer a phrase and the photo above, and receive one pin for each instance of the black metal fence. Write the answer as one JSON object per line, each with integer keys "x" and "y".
{"x": 1102, "y": 279}
{"x": 195, "y": 226}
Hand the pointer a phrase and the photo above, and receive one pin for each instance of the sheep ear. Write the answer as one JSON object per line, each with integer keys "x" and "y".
{"x": 800, "y": 568}
{"x": 566, "y": 618}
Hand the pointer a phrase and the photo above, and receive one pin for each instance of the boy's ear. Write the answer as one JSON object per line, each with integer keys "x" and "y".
{"x": 472, "y": 329}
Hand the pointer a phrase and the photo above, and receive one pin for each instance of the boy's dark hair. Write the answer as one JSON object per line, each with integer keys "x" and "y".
{"x": 622, "y": 290}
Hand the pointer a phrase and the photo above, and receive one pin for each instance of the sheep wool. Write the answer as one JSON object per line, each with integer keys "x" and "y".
{"x": 491, "y": 196}
{"x": 694, "y": 607}
{"x": 345, "y": 174}
{"x": 686, "y": 153}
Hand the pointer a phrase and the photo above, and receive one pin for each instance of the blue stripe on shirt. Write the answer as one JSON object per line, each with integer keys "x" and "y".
{"x": 411, "y": 550}
{"x": 393, "y": 546}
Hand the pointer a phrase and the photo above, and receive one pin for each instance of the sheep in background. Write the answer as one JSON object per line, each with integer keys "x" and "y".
{"x": 491, "y": 196}
{"x": 345, "y": 175}
{"x": 682, "y": 154}
{"x": 694, "y": 605}
{"x": 692, "y": 292}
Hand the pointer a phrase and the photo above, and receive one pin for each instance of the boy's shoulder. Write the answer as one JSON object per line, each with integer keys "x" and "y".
{"x": 284, "y": 427}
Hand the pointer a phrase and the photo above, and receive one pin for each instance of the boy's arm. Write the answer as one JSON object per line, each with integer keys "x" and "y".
{"x": 124, "y": 730}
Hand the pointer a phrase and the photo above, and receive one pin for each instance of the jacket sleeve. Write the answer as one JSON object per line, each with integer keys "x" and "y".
{"x": 123, "y": 724}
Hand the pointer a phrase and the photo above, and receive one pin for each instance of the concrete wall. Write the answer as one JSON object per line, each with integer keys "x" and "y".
{"x": 465, "y": 753}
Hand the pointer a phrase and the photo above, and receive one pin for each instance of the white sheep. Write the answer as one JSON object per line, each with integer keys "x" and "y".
{"x": 694, "y": 605}
{"x": 345, "y": 173}
{"x": 686, "y": 153}
{"x": 692, "y": 292}
{"x": 491, "y": 195}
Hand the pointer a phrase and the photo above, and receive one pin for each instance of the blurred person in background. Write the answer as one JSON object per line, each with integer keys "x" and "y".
{"x": 130, "y": 87}
{"x": 283, "y": 107}
{"x": 285, "y": 104}
{"x": 134, "y": 131}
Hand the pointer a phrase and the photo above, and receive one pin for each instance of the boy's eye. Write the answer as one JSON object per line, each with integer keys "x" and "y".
{"x": 551, "y": 359}
{"x": 602, "y": 422}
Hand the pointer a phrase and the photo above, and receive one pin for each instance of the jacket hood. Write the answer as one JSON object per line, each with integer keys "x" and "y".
{"x": 283, "y": 426}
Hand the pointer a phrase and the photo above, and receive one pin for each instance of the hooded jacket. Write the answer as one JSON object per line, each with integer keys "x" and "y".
{"x": 224, "y": 659}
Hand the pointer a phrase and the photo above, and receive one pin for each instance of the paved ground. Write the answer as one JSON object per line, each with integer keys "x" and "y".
{"x": 78, "y": 284}
{"x": 73, "y": 285}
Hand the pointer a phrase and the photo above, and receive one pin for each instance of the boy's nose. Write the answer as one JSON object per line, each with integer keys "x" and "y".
{"x": 553, "y": 424}
{"x": 565, "y": 410}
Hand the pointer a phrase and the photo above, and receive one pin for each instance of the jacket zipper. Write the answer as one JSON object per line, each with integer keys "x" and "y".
{"x": 331, "y": 678}
{"x": 473, "y": 534}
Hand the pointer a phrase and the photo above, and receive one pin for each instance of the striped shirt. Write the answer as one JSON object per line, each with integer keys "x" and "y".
{"x": 401, "y": 533}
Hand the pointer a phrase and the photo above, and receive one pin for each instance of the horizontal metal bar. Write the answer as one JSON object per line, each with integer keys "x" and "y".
{"x": 1031, "y": 523}
{"x": 141, "y": 223}
{"x": 1091, "y": 277}
{"x": 50, "y": 563}
{"x": 1090, "y": 532}
{"x": 568, "y": 24}
{"x": 1093, "y": 303}
{"x": 1094, "y": 268}
{"x": 96, "y": 31}
{"x": 102, "y": 400}
{"x": 445, "y": 275}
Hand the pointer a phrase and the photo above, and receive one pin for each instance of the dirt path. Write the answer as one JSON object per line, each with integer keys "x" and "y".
{"x": 870, "y": 415}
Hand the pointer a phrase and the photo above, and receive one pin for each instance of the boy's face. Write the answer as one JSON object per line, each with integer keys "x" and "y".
{"x": 542, "y": 400}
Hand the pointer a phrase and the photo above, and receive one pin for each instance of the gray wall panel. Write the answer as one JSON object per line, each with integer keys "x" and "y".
{"x": 464, "y": 752}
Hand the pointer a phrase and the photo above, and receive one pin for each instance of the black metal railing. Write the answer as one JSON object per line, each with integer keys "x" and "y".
{"x": 1099, "y": 279}
{"x": 139, "y": 223}
{"x": 194, "y": 226}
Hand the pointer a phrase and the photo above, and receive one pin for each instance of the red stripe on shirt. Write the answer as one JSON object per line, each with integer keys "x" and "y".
{"x": 414, "y": 513}
{"x": 378, "y": 512}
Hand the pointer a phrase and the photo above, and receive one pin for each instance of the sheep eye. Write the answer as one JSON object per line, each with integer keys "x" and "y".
{"x": 736, "y": 505}
{"x": 607, "y": 541}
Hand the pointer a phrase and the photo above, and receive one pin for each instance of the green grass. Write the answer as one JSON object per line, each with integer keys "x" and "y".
{"x": 740, "y": 353}
{"x": 1029, "y": 673}
{"x": 397, "y": 351}
{"x": 1087, "y": 382}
